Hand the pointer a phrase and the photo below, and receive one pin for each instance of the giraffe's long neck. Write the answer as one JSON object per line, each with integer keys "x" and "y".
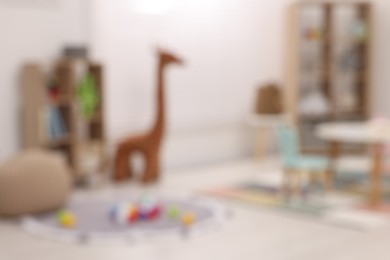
{"x": 159, "y": 125}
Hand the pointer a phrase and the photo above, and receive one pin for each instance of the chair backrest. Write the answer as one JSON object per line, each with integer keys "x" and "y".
{"x": 288, "y": 143}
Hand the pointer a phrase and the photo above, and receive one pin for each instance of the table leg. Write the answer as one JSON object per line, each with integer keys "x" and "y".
{"x": 262, "y": 143}
{"x": 376, "y": 173}
{"x": 334, "y": 153}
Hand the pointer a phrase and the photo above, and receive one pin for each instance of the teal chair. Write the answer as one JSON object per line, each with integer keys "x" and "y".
{"x": 296, "y": 165}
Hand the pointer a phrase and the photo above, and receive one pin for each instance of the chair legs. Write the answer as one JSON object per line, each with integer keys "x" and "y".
{"x": 286, "y": 183}
{"x": 293, "y": 182}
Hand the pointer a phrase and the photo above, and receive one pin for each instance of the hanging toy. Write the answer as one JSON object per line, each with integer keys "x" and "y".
{"x": 88, "y": 96}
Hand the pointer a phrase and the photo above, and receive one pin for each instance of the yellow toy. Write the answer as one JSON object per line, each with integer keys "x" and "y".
{"x": 67, "y": 219}
{"x": 188, "y": 219}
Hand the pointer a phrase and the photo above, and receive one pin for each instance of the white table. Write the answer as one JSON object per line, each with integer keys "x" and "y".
{"x": 264, "y": 125}
{"x": 360, "y": 133}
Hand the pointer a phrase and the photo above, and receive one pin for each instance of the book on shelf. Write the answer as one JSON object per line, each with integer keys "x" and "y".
{"x": 57, "y": 123}
{"x": 53, "y": 124}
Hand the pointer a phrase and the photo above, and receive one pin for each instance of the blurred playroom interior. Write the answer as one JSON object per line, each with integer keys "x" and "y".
{"x": 194, "y": 129}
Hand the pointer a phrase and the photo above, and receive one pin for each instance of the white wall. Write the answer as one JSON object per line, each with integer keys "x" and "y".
{"x": 229, "y": 47}
{"x": 31, "y": 32}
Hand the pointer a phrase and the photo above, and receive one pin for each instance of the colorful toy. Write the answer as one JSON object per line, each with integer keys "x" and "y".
{"x": 145, "y": 210}
{"x": 133, "y": 214}
{"x": 188, "y": 219}
{"x": 155, "y": 213}
{"x": 149, "y": 208}
{"x": 66, "y": 219}
{"x": 313, "y": 34}
{"x": 173, "y": 212}
{"x": 149, "y": 211}
{"x": 124, "y": 213}
{"x": 97, "y": 220}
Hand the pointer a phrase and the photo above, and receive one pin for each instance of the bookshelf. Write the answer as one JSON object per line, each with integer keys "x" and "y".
{"x": 328, "y": 70}
{"x": 52, "y": 115}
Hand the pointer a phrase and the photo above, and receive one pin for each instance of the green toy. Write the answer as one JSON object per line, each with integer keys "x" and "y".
{"x": 88, "y": 96}
{"x": 174, "y": 212}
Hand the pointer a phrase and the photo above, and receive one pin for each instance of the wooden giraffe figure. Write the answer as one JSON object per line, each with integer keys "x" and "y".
{"x": 148, "y": 144}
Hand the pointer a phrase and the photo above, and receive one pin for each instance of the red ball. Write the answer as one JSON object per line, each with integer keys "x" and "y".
{"x": 155, "y": 213}
{"x": 133, "y": 216}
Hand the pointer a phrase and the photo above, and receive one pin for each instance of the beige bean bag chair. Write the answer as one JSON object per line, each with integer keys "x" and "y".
{"x": 34, "y": 181}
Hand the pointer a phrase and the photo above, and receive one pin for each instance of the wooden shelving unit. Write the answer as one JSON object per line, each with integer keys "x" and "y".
{"x": 83, "y": 140}
{"x": 328, "y": 56}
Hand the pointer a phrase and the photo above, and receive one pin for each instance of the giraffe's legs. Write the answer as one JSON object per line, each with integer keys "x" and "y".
{"x": 156, "y": 171}
{"x": 122, "y": 169}
{"x": 151, "y": 171}
{"x": 152, "y": 162}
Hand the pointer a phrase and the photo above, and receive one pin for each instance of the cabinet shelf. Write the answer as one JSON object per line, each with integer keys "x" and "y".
{"x": 60, "y": 101}
{"x": 53, "y": 122}
{"x": 339, "y": 69}
{"x": 58, "y": 142}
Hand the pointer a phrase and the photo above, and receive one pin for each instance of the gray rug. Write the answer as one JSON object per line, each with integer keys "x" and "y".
{"x": 95, "y": 226}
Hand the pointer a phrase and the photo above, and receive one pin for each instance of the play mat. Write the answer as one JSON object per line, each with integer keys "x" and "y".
{"x": 343, "y": 207}
{"x": 91, "y": 220}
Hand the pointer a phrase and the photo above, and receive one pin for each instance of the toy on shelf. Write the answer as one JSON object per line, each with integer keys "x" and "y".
{"x": 359, "y": 31}
{"x": 88, "y": 96}
{"x": 53, "y": 89}
{"x": 313, "y": 34}
{"x": 66, "y": 219}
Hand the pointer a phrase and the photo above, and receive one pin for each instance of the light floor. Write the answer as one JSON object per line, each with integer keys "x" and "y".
{"x": 251, "y": 234}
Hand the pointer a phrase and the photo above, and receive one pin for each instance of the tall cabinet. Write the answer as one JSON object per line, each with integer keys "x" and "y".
{"x": 328, "y": 65}
{"x": 52, "y": 114}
